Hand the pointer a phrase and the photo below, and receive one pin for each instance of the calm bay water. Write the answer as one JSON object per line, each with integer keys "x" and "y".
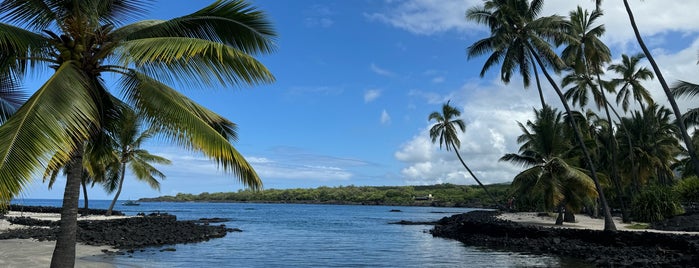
{"x": 296, "y": 235}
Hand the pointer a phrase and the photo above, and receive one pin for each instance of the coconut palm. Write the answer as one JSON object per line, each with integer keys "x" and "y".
{"x": 445, "y": 129}
{"x": 630, "y": 81}
{"x": 655, "y": 144}
{"x": 80, "y": 41}
{"x": 515, "y": 27}
{"x": 128, "y": 154}
{"x": 512, "y": 23}
{"x": 545, "y": 152}
{"x": 691, "y": 119}
{"x": 586, "y": 54}
{"x": 670, "y": 97}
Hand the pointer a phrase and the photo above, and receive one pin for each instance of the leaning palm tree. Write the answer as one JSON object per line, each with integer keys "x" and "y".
{"x": 128, "y": 154}
{"x": 670, "y": 97}
{"x": 545, "y": 152}
{"x": 82, "y": 40}
{"x": 445, "y": 130}
{"x": 510, "y": 21}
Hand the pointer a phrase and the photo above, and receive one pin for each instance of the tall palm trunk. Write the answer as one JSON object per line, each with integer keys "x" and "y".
{"x": 608, "y": 221}
{"x": 85, "y": 200}
{"x": 538, "y": 84}
{"x": 634, "y": 165}
{"x": 64, "y": 252}
{"x": 474, "y": 177}
{"x": 626, "y": 218}
{"x": 121, "y": 184}
{"x": 685, "y": 136}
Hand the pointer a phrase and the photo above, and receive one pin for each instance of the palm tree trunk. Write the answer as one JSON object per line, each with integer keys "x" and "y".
{"x": 475, "y": 178}
{"x": 615, "y": 172}
{"x": 632, "y": 158}
{"x": 64, "y": 252}
{"x": 608, "y": 221}
{"x": 116, "y": 196}
{"x": 538, "y": 85}
{"x": 559, "y": 219}
{"x": 685, "y": 136}
{"x": 86, "y": 209}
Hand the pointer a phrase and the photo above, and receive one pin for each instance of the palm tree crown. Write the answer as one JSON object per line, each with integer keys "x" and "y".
{"x": 83, "y": 40}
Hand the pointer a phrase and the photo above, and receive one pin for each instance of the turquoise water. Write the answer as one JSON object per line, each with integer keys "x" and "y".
{"x": 296, "y": 235}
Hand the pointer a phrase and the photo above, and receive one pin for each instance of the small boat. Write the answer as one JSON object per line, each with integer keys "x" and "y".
{"x": 130, "y": 203}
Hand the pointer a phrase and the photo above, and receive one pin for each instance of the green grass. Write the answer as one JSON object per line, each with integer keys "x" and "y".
{"x": 638, "y": 226}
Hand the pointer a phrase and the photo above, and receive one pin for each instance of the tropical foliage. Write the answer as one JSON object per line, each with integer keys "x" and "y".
{"x": 443, "y": 195}
{"x": 80, "y": 41}
{"x": 545, "y": 153}
{"x": 626, "y": 155}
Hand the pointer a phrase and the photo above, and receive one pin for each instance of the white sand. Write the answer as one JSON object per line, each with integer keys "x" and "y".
{"x": 582, "y": 222}
{"x": 33, "y": 253}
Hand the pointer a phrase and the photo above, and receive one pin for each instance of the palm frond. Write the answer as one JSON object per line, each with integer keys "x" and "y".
{"x": 194, "y": 62}
{"x": 685, "y": 89}
{"x": 186, "y": 123}
{"x": 28, "y": 139}
{"x": 234, "y": 23}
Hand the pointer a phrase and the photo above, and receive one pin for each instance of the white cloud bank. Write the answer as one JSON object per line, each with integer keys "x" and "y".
{"x": 491, "y": 113}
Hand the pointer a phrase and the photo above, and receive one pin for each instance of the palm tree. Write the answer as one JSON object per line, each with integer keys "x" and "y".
{"x": 445, "y": 130}
{"x": 655, "y": 144}
{"x": 586, "y": 54}
{"x": 128, "y": 153}
{"x": 630, "y": 81}
{"x": 545, "y": 152}
{"x": 514, "y": 26}
{"x": 511, "y": 21}
{"x": 80, "y": 41}
{"x": 691, "y": 119}
{"x": 670, "y": 97}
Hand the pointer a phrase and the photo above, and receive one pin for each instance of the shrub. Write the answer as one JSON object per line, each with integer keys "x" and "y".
{"x": 655, "y": 204}
{"x": 688, "y": 189}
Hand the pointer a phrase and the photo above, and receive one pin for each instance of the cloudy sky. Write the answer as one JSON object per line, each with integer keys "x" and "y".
{"x": 356, "y": 81}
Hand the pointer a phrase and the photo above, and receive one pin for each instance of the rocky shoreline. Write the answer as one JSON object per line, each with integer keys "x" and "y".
{"x": 600, "y": 248}
{"x": 124, "y": 233}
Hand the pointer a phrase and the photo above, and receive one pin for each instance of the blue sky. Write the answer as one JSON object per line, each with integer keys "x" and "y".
{"x": 356, "y": 81}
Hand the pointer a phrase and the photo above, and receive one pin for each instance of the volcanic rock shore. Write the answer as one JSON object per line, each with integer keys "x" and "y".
{"x": 124, "y": 233}
{"x": 601, "y": 248}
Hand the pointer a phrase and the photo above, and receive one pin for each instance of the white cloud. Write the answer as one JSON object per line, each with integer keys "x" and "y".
{"x": 385, "y": 118}
{"x": 491, "y": 113}
{"x": 425, "y": 17}
{"x": 371, "y": 95}
{"x": 438, "y": 79}
{"x": 380, "y": 71}
{"x": 319, "y": 16}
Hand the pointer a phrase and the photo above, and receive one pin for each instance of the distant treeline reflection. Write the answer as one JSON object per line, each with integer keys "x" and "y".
{"x": 441, "y": 195}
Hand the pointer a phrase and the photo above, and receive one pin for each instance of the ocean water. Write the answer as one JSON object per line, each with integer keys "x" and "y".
{"x": 299, "y": 235}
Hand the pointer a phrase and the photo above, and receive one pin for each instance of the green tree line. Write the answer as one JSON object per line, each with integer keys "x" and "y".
{"x": 442, "y": 195}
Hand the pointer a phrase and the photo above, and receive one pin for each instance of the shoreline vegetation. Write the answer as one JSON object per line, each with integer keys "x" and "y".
{"x": 440, "y": 195}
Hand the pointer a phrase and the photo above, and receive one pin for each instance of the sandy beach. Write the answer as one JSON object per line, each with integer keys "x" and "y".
{"x": 33, "y": 253}
{"x": 582, "y": 222}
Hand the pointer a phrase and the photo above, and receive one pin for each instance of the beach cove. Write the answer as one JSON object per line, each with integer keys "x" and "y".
{"x": 297, "y": 235}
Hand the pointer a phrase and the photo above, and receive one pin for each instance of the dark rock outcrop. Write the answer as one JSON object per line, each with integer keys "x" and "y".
{"x": 685, "y": 222}
{"x": 44, "y": 209}
{"x": 602, "y": 248}
{"x": 126, "y": 233}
